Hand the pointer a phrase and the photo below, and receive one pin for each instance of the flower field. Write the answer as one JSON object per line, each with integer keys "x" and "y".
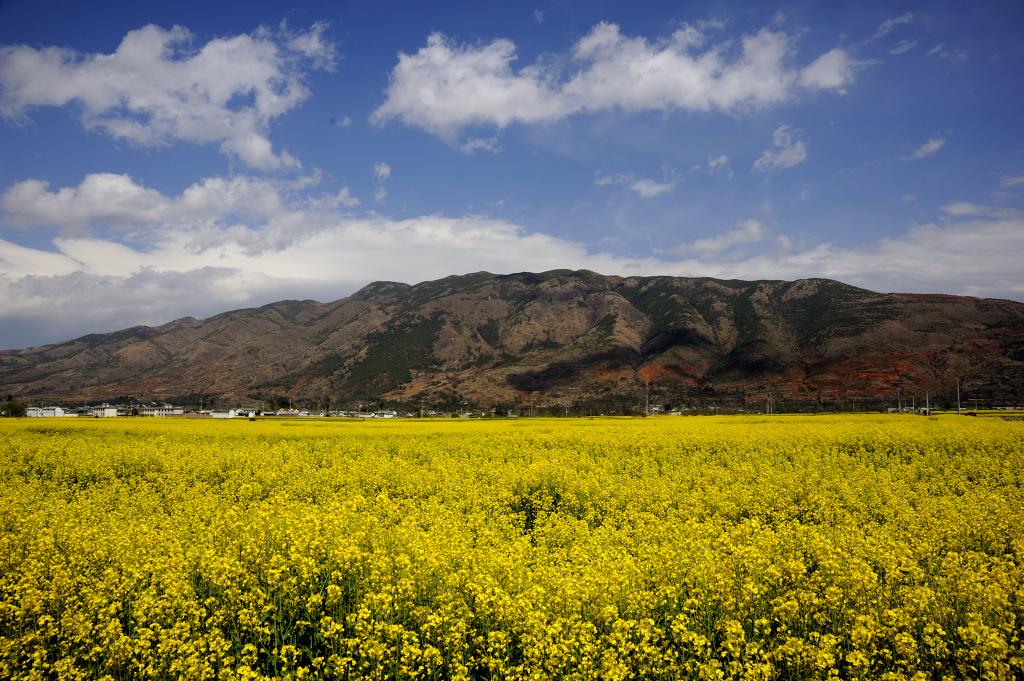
{"x": 662, "y": 548}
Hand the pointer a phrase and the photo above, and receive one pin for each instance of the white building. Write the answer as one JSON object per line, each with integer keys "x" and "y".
{"x": 38, "y": 412}
{"x": 221, "y": 414}
{"x": 165, "y": 410}
{"x": 103, "y": 412}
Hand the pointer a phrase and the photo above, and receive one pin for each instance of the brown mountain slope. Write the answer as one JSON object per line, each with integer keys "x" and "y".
{"x": 557, "y": 336}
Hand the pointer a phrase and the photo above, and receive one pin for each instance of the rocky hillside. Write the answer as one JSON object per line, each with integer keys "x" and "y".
{"x": 555, "y": 337}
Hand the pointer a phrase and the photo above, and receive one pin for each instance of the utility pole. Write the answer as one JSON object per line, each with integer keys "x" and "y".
{"x": 957, "y": 395}
{"x": 899, "y": 401}
{"x": 927, "y": 405}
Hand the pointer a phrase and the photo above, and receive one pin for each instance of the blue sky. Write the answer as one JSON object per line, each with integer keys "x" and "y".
{"x": 188, "y": 158}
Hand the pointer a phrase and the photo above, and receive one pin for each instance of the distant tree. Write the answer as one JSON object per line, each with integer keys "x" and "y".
{"x": 12, "y": 408}
{"x": 276, "y": 402}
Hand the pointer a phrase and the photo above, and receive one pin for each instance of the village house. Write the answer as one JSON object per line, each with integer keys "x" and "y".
{"x": 103, "y": 412}
{"x": 38, "y": 412}
{"x": 164, "y": 410}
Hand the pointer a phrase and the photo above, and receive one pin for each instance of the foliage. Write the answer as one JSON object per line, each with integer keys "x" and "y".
{"x": 391, "y": 356}
{"x": 12, "y": 408}
{"x": 732, "y": 547}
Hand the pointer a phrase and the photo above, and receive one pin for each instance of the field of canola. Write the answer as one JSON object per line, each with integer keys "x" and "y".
{"x": 662, "y": 548}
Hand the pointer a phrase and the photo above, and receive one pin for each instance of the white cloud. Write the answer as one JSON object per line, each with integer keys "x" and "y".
{"x": 446, "y": 87}
{"x": 961, "y": 208}
{"x": 643, "y": 187}
{"x": 344, "y": 198}
{"x": 154, "y": 89}
{"x": 965, "y": 209}
{"x": 976, "y": 257}
{"x": 648, "y": 189}
{"x": 538, "y": 16}
{"x": 903, "y": 46}
{"x": 634, "y": 74}
{"x": 313, "y": 45}
{"x": 382, "y": 171}
{"x": 256, "y": 151}
{"x": 831, "y": 71}
{"x": 342, "y": 122}
{"x": 1012, "y": 181}
{"x": 888, "y": 25}
{"x": 475, "y": 144}
{"x": 748, "y": 232}
{"x": 927, "y": 149}
{"x": 952, "y": 56}
{"x": 788, "y": 151}
{"x": 618, "y": 178}
{"x": 717, "y": 162}
{"x": 103, "y": 197}
{"x": 109, "y": 200}
{"x": 302, "y": 246}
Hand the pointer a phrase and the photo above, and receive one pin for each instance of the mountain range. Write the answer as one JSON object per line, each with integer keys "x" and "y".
{"x": 553, "y": 338}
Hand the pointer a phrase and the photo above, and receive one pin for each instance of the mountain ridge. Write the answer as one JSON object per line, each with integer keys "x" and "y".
{"x": 560, "y": 335}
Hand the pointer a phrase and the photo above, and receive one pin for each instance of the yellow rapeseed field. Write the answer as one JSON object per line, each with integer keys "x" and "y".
{"x": 663, "y": 548}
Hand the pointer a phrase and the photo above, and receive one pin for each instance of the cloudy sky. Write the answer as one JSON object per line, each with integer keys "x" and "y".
{"x": 169, "y": 159}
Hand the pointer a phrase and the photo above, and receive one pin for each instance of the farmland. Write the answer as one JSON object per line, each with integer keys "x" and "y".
{"x": 789, "y": 547}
